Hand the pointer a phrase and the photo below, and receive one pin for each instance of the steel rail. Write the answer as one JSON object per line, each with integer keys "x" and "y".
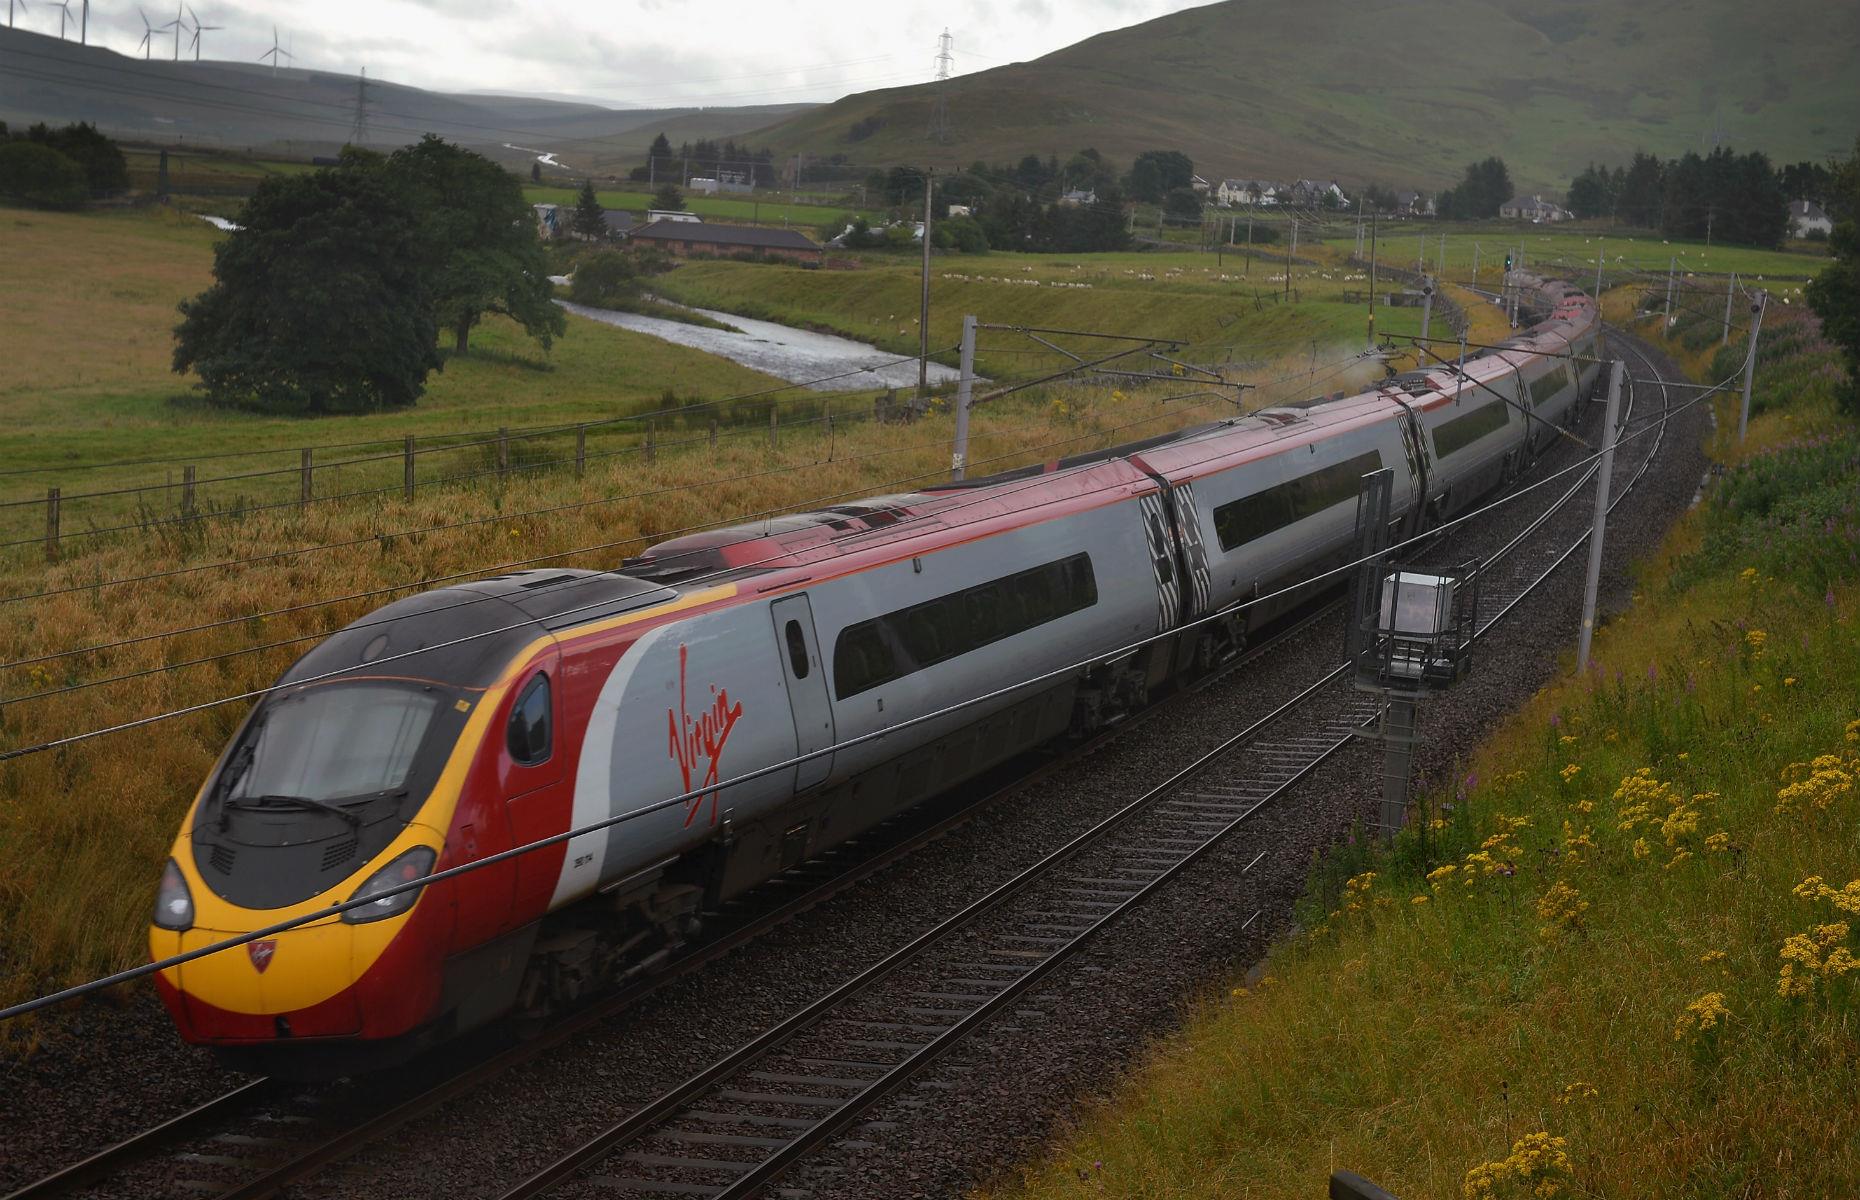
{"x": 756, "y": 1176}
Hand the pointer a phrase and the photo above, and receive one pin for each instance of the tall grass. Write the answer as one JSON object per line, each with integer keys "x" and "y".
{"x": 1616, "y": 957}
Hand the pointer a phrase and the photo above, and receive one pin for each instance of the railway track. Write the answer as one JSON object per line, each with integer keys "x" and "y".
{"x": 738, "y": 1125}
{"x": 276, "y": 1134}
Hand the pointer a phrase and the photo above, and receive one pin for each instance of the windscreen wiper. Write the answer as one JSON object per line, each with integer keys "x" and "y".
{"x": 274, "y": 800}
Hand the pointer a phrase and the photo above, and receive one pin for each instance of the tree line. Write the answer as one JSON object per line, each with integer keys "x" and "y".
{"x": 59, "y": 168}
{"x": 1722, "y": 196}
{"x": 331, "y": 294}
{"x": 705, "y": 157}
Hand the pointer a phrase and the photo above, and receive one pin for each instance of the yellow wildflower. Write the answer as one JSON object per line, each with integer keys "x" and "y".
{"x": 1827, "y": 780}
{"x": 1748, "y": 574}
{"x": 1817, "y": 952}
{"x": 1577, "y": 1091}
{"x": 1718, "y": 842}
{"x": 1439, "y": 874}
{"x": 1611, "y": 736}
{"x": 1422, "y": 899}
{"x": 1538, "y": 1162}
{"x": 1680, "y": 855}
{"x": 1705, "y": 1015}
{"x": 1568, "y": 739}
{"x": 1641, "y": 848}
{"x": 1755, "y": 640}
{"x": 1712, "y": 956}
{"x": 1788, "y": 681}
{"x": 1570, "y": 772}
{"x": 1560, "y": 908}
{"x": 1852, "y": 733}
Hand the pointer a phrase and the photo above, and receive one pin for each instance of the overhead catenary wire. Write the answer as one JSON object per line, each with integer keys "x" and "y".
{"x": 483, "y": 569}
{"x": 1335, "y": 366}
{"x": 484, "y": 438}
{"x": 988, "y": 496}
{"x": 566, "y": 836}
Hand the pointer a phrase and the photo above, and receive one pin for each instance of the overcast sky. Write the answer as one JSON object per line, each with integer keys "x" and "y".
{"x": 631, "y": 53}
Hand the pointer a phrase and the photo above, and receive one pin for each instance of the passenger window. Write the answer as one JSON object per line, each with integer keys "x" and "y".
{"x": 529, "y": 735}
{"x": 797, "y": 649}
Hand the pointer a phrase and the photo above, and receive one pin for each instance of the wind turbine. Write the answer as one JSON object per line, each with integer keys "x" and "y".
{"x": 177, "y": 24}
{"x": 275, "y": 52}
{"x": 147, "y": 44}
{"x": 198, "y": 29}
{"x": 84, "y": 26}
{"x": 64, "y": 11}
{"x": 10, "y": 5}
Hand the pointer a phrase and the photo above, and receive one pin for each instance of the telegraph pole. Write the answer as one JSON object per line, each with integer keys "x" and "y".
{"x": 1750, "y": 360}
{"x": 1729, "y": 293}
{"x": 1671, "y": 264}
{"x": 923, "y": 312}
{"x": 1602, "y": 480}
{"x": 1288, "y": 260}
{"x": 1427, "y": 304}
{"x": 1600, "y": 255}
{"x": 1372, "y": 283}
{"x": 965, "y": 385}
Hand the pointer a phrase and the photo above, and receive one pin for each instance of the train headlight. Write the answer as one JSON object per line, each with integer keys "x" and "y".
{"x": 416, "y": 863}
{"x": 174, "y": 906}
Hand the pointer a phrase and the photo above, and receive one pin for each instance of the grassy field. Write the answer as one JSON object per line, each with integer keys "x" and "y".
{"x": 1623, "y": 964}
{"x": 1626, "y": 251}
{"x": 1220, "y": 314}
{"x": 89, "y": 302}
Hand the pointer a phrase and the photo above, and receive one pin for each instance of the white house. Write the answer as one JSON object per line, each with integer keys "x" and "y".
{"x": 1535, "y": 209}
{"x": 1806, "y": 217}
{"x": 1078, "y": 198}
{"x": 1198, "y": 183}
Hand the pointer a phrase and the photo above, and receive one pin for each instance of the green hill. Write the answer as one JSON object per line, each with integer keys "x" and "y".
{"x": 245, "y": 106}
{"x": 1404, "y": 93}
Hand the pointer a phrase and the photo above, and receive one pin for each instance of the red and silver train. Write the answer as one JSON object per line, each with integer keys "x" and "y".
{"x": 461, "y": 722}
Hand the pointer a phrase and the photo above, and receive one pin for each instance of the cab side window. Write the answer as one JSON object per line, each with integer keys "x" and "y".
{"x": 529, "y": 735}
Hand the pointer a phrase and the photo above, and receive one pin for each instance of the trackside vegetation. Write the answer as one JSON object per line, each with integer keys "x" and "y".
{"x": 1618, "y": 954}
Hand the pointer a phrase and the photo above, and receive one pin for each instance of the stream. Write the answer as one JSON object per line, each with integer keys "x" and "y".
{"x": 795, "y": 355}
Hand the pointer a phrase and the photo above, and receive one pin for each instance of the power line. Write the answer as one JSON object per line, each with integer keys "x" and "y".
{"x": 772, "y": 768}
{"x": 889, "y": 530}
{"x": 386, "y": 590}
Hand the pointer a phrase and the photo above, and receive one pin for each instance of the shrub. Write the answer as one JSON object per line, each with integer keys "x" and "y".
{"x": 605, "y": 279}
{"x": 35, "y": 174}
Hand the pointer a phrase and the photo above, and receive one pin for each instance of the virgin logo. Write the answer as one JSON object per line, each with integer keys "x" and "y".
{"x": 260, "y": 953}
{"x": 698, "y": 741}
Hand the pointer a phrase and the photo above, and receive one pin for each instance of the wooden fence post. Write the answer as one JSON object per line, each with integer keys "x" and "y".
{"x": 773, "y": 436}
{"x": 503, "y": 451}
{"x": 406, "y": 467}
{"x": 51, "y": 524}
{"x": 713, "y": 434}
{"x": 187, "y": 491}
{"x": 651, "y": 454}
{"x": 581, "y": 450}
{"x": 305, "y": 483}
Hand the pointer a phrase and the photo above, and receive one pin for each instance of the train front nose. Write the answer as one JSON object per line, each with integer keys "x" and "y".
{"x": 299, "y": 983}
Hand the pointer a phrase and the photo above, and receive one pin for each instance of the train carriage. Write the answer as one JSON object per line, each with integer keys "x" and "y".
{"x": 806, "y": 650}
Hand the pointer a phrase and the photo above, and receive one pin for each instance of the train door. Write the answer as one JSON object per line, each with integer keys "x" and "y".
{"x": 804, "y": 669}
{"x": 1414, "y": 446}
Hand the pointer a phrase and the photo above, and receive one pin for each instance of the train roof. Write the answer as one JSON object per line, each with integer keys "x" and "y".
{"x": 464, "y": 635}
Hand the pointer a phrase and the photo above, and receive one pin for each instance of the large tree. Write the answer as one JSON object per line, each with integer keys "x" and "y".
{"x": 589, "y": 221}
{"x": 1480, "y": 193}
{"x": 1156, "y": 173}
{"x": 321, "y": 301}
{"x": 104, "y": 167}
{"x": 482, "y": 236}
{"x": 1835, "y": 293}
